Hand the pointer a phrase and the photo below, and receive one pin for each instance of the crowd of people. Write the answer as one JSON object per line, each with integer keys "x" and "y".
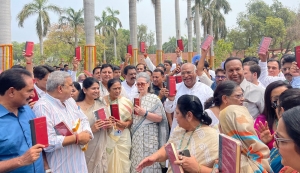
{"x": 254, "y": 100}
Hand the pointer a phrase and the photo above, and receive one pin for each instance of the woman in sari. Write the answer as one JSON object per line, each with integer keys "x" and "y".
{"x": 192, "y": 133}
{"x": 150, "y": 128}
{"x": 236, "y": 122}
{"x": 88, "y": 101}
{"x": 119, "y": 141}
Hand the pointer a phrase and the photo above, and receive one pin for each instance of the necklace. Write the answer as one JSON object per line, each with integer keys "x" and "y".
{"x": 189, "y": 138}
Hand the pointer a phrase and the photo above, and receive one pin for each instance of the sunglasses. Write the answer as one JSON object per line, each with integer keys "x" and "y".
{"x": 279, "y": 140}
{"x": 140, "y": 84}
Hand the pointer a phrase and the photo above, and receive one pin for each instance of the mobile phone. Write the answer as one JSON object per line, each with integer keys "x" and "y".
{"x": 78, "y": 53}
{"x": 129, "y": 49}
{"x": 297, "y": 55}
{"x": 185, "y": 153}
{"x": 29, "y": 48}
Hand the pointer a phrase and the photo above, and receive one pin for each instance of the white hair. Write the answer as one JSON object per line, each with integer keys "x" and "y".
{"x": 55, "y": 79}
{"x": 143, "y": 75}
{"x": 195, "y": 68}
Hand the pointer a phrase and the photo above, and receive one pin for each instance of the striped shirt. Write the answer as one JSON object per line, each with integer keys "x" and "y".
{"x": 68, "y": 158}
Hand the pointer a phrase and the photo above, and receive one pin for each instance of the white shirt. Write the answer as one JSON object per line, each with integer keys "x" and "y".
{"x": 254, "y": 98}
{"x": 212, "y": 73}
{"x": 149, "y": 64}
{"x": 264, "y": 78}
{"x": 202, "y": 91}
{"x": 131, "y": 91}
{"x": 40, "y": 92}
{"x": 261, "y": 85}
{"x": 204, "y": 79}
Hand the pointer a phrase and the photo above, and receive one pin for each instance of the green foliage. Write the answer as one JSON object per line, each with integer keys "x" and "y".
{"x": 251, "y": 51}
{"x": 222, "y": 50}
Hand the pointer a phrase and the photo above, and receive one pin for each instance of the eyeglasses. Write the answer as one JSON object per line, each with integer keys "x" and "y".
{"x": 279, "y": 140}
{"x": 140, "y": 84}
{"x": 238, "y": 96}
{"x": 221, "y": 77}
{"x": 186, "y": 72}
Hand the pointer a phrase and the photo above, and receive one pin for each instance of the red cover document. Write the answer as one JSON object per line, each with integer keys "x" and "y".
{"x": 29, "y": 48}
{"x": 171, "y": 85}
{"x": 172, "y": 156}
{"x": 136, "y": 103}
{"x": 36, "y": 96}
{"x": 129, "y": 49}
{"x": 180, "y": 45}
{"x": 78, "y": 53}
{"x": 114, "y": 109}
{"x": 297, "y": 54}
{"x": 100, "y": 114}
{"x": 229, "y": 154}
{"x": 62, "y": 129}
{"x": 142, "y": 47}
{"x": 178, "y": 79}
{"x": 206, "y": 42}
{"x": 264, "y": 45}
{"x": 39, "y": 133}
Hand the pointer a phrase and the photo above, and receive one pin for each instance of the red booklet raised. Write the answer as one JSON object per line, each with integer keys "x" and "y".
{"x": 78, "y": 53}
{"x": 142, "y": 47}
{"x": 264, "y": 45}
{"x": 136, "y": 103}
{"x": 172, "y": 156}
{"x": 39, "y": 133}
{"x": 171, "y": 85}
{"x": 36, "y": 96}
{"x": 229, "y": 154}
{"x": 29, "y": 48}
{"x": 129, "y": 49}
{"x": 297, "y": 54}
{"x": 180, "y": 45}
{"x": 114, "y": 109}
{"x": 178, "y": 79}
{"x": 206, "y": 42}
{"x": 62, "y": 129}
{"x": 100, "y": 114}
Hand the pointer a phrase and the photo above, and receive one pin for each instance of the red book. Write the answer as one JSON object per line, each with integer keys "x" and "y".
{"x": 78, "y": 53}
{"x": 172, "y": 156}
{"x": 129, "y": 49}
{"x": 207, "y": 42}
{"x": 62, "y": 129}
{"x": 264, "y": 45}
{"x": 229, "y": 154}
{"x": 39, "y": 133}
{"x": 178, "y": 79}
{"x": 171, "y": 85}
{"x": 142, "y": 47}
{"x": 100, "y": 114}
{"x": 180, "y": 45}
{"x": 136, "y": 103}
{"x": 29, "y": 48}
{"x": 36, "y": 96}
{"x": 297, "y": 54}
{"x": 114, "y": 109}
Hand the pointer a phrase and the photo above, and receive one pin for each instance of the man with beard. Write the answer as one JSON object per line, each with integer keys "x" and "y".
{"x": 17, "y": 153}
{"x": 252, "y": 72}
{"x": 287, "y": 61}
{"x": 106, "y": 73}
{"x": 129, "y": 83}
{"x": 158, "y": 84}
{"x": 254, "y": 95}
{"x": 270, "y": 70}
{"x": 188, "y": 86}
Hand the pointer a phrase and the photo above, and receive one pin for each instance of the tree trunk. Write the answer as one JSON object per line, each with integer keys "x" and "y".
{"x": 133, "y": 29}
{"x": 158, "y": 31}
{"x": 190, "y": 30}
{"x": 5, "y": 21}
{"x": 41, "y": 47}
{"x": 115, "y": 47}
{"x": 76, "y": 36}
{"x": 89, "y": 28}
{"x": 177, "y": 20}
{"x": 212, "y": 53}
{"x": 104, "y": 54}
{"x": 197, "y": 27}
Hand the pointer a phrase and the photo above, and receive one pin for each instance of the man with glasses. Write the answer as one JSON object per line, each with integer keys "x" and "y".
{"x": 129, "y": 83}
{"x": 220, "y": 77}
{"x": 188, "y": 86}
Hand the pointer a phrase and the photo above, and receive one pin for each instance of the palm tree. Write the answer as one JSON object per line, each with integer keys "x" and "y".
{"x": 114, "y": 22}
{"x": 41, "y": 8}
{"x": 197, "y": 28}
{"x": 177, "y": 20}
{"x": 73, "y": 18}
{"x": 89, "y": 28}
{"x": 133, "y": 29}
{"x": 5, "y": 20}
{"x": 105, "y": 28}
{"x": 190, "y": 34}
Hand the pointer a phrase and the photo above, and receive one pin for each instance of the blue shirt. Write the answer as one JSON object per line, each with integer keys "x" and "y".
{"x": 15, "y": 138}
{"x": 296, "y": 82}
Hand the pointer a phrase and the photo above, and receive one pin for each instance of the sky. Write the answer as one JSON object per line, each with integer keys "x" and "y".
{"x": 145, "y": 15}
